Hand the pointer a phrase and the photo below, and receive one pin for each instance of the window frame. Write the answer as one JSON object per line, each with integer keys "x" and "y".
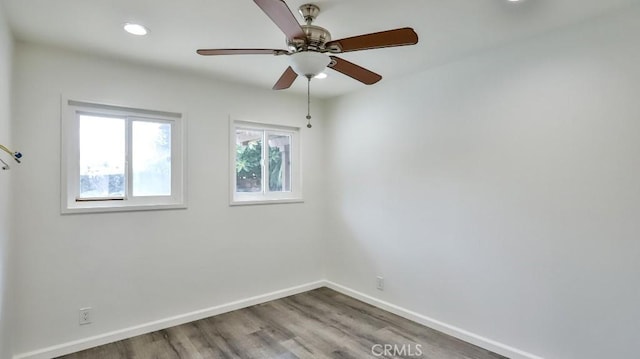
{"x": 266, "y": 197}
{"x": 70, "y": 164}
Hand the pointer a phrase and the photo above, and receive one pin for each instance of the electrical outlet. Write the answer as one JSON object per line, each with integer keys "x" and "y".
{"x": 85, "y": 316}
{"x": 380, "y": 283}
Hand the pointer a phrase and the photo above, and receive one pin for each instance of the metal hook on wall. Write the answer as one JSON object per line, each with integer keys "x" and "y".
{"x": 15, "y": 155}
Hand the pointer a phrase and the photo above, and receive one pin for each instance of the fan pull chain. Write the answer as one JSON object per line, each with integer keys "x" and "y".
{"x": 309, "y": 102}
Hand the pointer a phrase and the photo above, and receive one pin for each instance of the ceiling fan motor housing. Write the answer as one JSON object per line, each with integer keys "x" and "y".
{"x": 316, "y": 38}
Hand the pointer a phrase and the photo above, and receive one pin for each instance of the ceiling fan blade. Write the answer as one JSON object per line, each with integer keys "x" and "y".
{"x": 214, "y": 52}
{"x": 281, "y": 15}
{"x": 354, "y": 71}
{"x": 286, "y": 80}
{"x": 376, "y": 40}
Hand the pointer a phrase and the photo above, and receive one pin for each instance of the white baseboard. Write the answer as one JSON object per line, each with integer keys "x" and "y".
{"x": 461, "y": 334}
{"x": 86, "y": 343}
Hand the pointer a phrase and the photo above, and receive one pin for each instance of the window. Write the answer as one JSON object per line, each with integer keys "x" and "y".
{"x": 119, "y": 159}
{"x": 265, "y": 164}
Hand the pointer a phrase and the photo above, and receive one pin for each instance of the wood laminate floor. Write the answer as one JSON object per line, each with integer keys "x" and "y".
{"x": 318, "y": 324}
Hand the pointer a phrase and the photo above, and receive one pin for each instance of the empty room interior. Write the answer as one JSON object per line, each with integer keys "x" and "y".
{"x": 452, "y": 179}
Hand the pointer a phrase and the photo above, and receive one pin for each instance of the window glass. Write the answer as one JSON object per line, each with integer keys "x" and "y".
{"x": 151, "y": 158}
{"x": 248, "y": 160}
{"x": 279, "y": 163}
{"x": 102, "y": 157}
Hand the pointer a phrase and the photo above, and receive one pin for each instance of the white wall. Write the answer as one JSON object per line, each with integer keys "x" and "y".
{"x": 6, "y": 50}
{"x": 137, "y": 267}
{"x": 501, "y": 194}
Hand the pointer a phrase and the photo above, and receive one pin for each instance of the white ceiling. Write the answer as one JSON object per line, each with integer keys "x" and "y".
{"x": 448, "y": 30}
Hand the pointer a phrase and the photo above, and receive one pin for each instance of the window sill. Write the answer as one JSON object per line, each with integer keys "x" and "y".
{"x": 265, "y": 201}
{"x": 124, "y": 208}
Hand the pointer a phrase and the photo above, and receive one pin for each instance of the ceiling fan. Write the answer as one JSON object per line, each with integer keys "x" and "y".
{"x": 309, "y": 46}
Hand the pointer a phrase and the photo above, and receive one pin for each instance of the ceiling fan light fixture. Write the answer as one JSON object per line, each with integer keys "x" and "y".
{"x": 321, "y": 76}
{"x": 135, "y": 29}
{"x": 309, "y": 63}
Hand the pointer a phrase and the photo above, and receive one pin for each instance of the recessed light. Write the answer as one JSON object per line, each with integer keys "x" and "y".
{"x": 135, "y": 29}
{"x": 321, "y": 76}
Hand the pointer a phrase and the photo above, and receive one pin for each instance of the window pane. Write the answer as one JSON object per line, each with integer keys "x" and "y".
{"x": 279, "y": 163}
{"x": 102, "y": 157}
{"x": 151, "y": 158}
{"x": 248, "y": 161}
